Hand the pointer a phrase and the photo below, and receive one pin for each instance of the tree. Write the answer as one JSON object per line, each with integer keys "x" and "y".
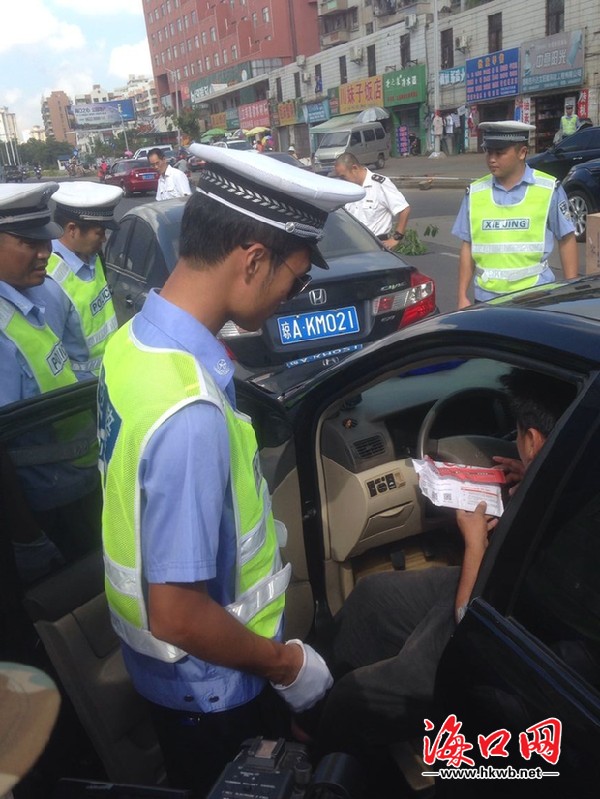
{"x": 188, "y": 122}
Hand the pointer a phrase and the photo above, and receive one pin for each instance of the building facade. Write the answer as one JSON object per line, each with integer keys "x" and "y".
{"x": 55, "y": 115}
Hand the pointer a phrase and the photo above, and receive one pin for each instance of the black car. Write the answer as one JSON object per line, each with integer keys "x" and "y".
{"x": 367, "y": 293}
{"x": 582, "y": 186}
{"x": 338, "y": 453}
{"x": 581, "y": 146}
{"x": 13, "y": 173}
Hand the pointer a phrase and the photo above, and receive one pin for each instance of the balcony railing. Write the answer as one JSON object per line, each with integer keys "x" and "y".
{"x": 332, "y": 7}
{"x": 335, "y": 37}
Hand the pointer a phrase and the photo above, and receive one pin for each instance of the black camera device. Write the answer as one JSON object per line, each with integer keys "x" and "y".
{"x": 281, "y": 769}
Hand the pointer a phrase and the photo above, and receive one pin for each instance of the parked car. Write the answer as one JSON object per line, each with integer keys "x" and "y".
{"x": 134, "y": 175}
{"x": 196, "y": 164}
{"x": 583, "y": 145}
{"x": 233, "y": 144}
{"x": 582, "y": 185}
{"x": 366, "y": 293}
{"x": 142, "y": 152}
{"x": 337, "y": 454}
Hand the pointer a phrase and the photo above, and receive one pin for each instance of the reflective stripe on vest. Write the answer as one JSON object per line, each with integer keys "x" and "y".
{"x": 39, "y": 346}
{"x": 94, "y": 306}
{"x": 141, "y": 388}
{"x": 508, "y": 241}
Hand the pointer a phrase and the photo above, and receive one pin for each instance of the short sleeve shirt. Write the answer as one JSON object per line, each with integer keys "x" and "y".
{"x": 381, "y": 203}
{"x": 173, "y": 183}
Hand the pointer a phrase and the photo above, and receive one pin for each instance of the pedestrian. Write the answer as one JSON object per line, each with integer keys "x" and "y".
{"x": 438, "y": 132}
{"x": 508, "y": 220}
{"x": 458, "y": 133}
{"x": 569, "y": 122}
{"x": 449, "y": 133}
{"x": 197, "y": 585}
{"x": 292, "y": 152}
{"x": 380, "y": 205}
{"x": 171, "y": 182}
{"x": 77, "y": 300}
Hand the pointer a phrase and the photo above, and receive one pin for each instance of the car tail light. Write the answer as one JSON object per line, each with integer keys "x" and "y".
{"x": 417, "y": 302}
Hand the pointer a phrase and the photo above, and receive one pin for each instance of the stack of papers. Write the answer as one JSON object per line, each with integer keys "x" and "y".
{"x": 452, "y": 485}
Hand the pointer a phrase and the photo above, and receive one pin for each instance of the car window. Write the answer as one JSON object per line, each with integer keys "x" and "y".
{"x": 355, "y": 137}
{"x": 116, "y": 247}
{"x": 343, "y": 235}
{"x": 379, "y": 133}
{"x": 339, "y": 139}
{"x": 369, "y": 135}
{"x": 143, "y": 253}
{"x": 559, "y": 601}
{"x": 587, "y": 139}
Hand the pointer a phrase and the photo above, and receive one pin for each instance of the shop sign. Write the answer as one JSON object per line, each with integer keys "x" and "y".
{"x": 333, "y": 95}
{"x": 316, "y": 112}
{"x": 451, "y": 77}
{"x": 553, "y": 62}
{"x": 493, "y": 75}
{"x": 402, "y": 140}
{"x": 200, "y": 93}
{"x": 405, "y": 86}
{"x": 218, "y": 120}
{"x": 583, "y": 103}
{"x": 361, "y": 94}
{"x": 253, "y": 115}
{"x": 233, "y": 120}
{"x": 287, "y": 113}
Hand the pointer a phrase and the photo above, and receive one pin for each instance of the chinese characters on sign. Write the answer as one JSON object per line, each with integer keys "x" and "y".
{"x": 287, "y": 113}
{"x": 450, "y": 77}
{"x": 361, "y": 94}
{"x": 493, "y": 75}
{"x": 254, "y": 114}
{"x": 403, "y": 140}
{"x": 451, "y": 747}
{"x": 405, "y": 86}
{"x": 552, "y": 62}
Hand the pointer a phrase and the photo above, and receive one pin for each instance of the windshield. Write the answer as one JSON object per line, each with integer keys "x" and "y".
{"x": 335, "y": 139}
{"x": 239, "y": 145}
{"x": 343, "y": 236}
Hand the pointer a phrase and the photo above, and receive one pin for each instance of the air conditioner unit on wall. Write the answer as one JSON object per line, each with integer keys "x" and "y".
{"x": 301, "y": 60}
{"x": 410, "y": 21}
{"x": 306, "y": 78}
{"x": 356, "y": 54}
{"x": 461, "y": 43}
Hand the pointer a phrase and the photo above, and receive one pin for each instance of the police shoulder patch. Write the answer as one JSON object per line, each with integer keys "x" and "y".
{"x": 378, "y": 178}
{"x": 563, "y": 207}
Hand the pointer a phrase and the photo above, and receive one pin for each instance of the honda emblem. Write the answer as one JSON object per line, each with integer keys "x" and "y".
{"x": 317, "y": 296}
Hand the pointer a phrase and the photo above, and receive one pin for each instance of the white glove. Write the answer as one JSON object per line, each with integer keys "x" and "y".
{"x": 312, "y": 681}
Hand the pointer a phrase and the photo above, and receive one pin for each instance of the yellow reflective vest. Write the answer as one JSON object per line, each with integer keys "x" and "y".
{"x": 94, "y": 306}
{"x": 568, "y": 125}
{"x": 508, "y": 241}
{"x": 168, "y": 380}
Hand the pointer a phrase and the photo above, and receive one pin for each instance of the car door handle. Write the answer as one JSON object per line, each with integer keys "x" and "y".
{"x": 129, "y": 301}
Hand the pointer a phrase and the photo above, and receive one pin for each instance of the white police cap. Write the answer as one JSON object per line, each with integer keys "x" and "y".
{"x": 24, "y": 210}
{"x": 282, "y": 195}
{"x": 504, "y": 133}
{"x": 84, "y": 201}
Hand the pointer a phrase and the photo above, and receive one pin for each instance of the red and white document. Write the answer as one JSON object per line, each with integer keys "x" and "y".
{"x": 452, "y": 485}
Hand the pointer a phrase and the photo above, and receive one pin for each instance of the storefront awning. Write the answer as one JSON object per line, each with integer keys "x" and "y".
{"x": 333, "y": 123}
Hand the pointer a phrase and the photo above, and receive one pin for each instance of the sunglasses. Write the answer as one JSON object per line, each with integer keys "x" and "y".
{"x": 301, "y": 282}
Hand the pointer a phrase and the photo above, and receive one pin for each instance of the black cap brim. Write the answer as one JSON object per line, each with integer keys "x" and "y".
{"x": 37, "y": 232}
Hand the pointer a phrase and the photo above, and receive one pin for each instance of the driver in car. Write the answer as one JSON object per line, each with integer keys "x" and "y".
{"x": 394, "y": 626}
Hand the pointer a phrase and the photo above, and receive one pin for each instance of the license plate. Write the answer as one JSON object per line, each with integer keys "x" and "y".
{"x": 318, "y": 324}
{"x": 148, "y": 176}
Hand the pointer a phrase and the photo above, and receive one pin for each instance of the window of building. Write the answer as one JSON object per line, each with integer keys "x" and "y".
{"x": 166, "y": 31}
{"x": 162, "y": 58}
{"x": 343, "y": 70}
{"x": 555, "y": 16}
{"x": 353, "y": 18}
{"x": 254, "y": 19}
{"x": 405, "y": 50}
{"x": 318, "y": 79}
{"x": 265, "y": 14}
{"x": 196, "y": 41}
{"x": 194, "y": 17}
{"x": 278, "y": 90}
{"x": 168, "y": 6}
{"x": 181, "y": 48}
{"x": 225, "y": 58}
{"x": 192, "y": 68}
{"x": 156, "y": 60}
{"x": 213, "y": 34}
{"x": 160, "y": 37}
{"x": 369, "y": 28}
{"x": 371, "y": 61}
{"x": 216, "y": 60}
{"x": 163, "y": 10}
{"x": 495, "y": 32}
{"x": 189, "y": 45}
{"x": 207, "y": 62}
{"x": 172, "y": 28}
{"x": 199, "y": 63}
{"x": 447, "y": 48}
{"x": 168, "y": 53}
{"x": 180, "y": 24}
{"x": 186, "y": 21}
{"x": 234, "y": 52}
{"x": 203, "y": 36}
{"x": 297, "y": 89}
{"x": 186, "y": 71}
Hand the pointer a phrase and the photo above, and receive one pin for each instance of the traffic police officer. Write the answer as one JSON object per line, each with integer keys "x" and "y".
{"x": 194, "y": 577}
{"x": 381, "y": 203}
{"x": 77, "y": 300}
{"x": 508, "y": 220}
{"x": 569, "y": 122}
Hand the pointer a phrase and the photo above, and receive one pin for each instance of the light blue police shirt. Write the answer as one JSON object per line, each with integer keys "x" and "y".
{"x": 187, "y": 521}
{"x": 60, "y": 312}
{"x": 48, "y": 485}
{"x": 559, "y": 222}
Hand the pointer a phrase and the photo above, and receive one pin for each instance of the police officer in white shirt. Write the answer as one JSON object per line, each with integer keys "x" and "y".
{"x": 381, "y": 203}
{"x": 171, "y": 182}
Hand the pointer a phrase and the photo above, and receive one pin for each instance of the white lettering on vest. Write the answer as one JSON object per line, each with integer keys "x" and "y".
{"x": 100, "y": 301}
{"x": 505, "y": 224}
{"x": 57, "y": 358}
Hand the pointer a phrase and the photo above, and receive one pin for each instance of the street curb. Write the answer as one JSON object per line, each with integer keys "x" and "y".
{"x": 425, "y": 182}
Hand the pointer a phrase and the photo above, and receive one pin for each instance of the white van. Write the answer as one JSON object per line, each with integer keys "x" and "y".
{"x": 143, "y": 151}
{"x": 368, "y": 141}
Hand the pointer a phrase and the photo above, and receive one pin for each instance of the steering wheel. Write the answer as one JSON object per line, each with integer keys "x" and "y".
{"x": 473, "y": 450}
